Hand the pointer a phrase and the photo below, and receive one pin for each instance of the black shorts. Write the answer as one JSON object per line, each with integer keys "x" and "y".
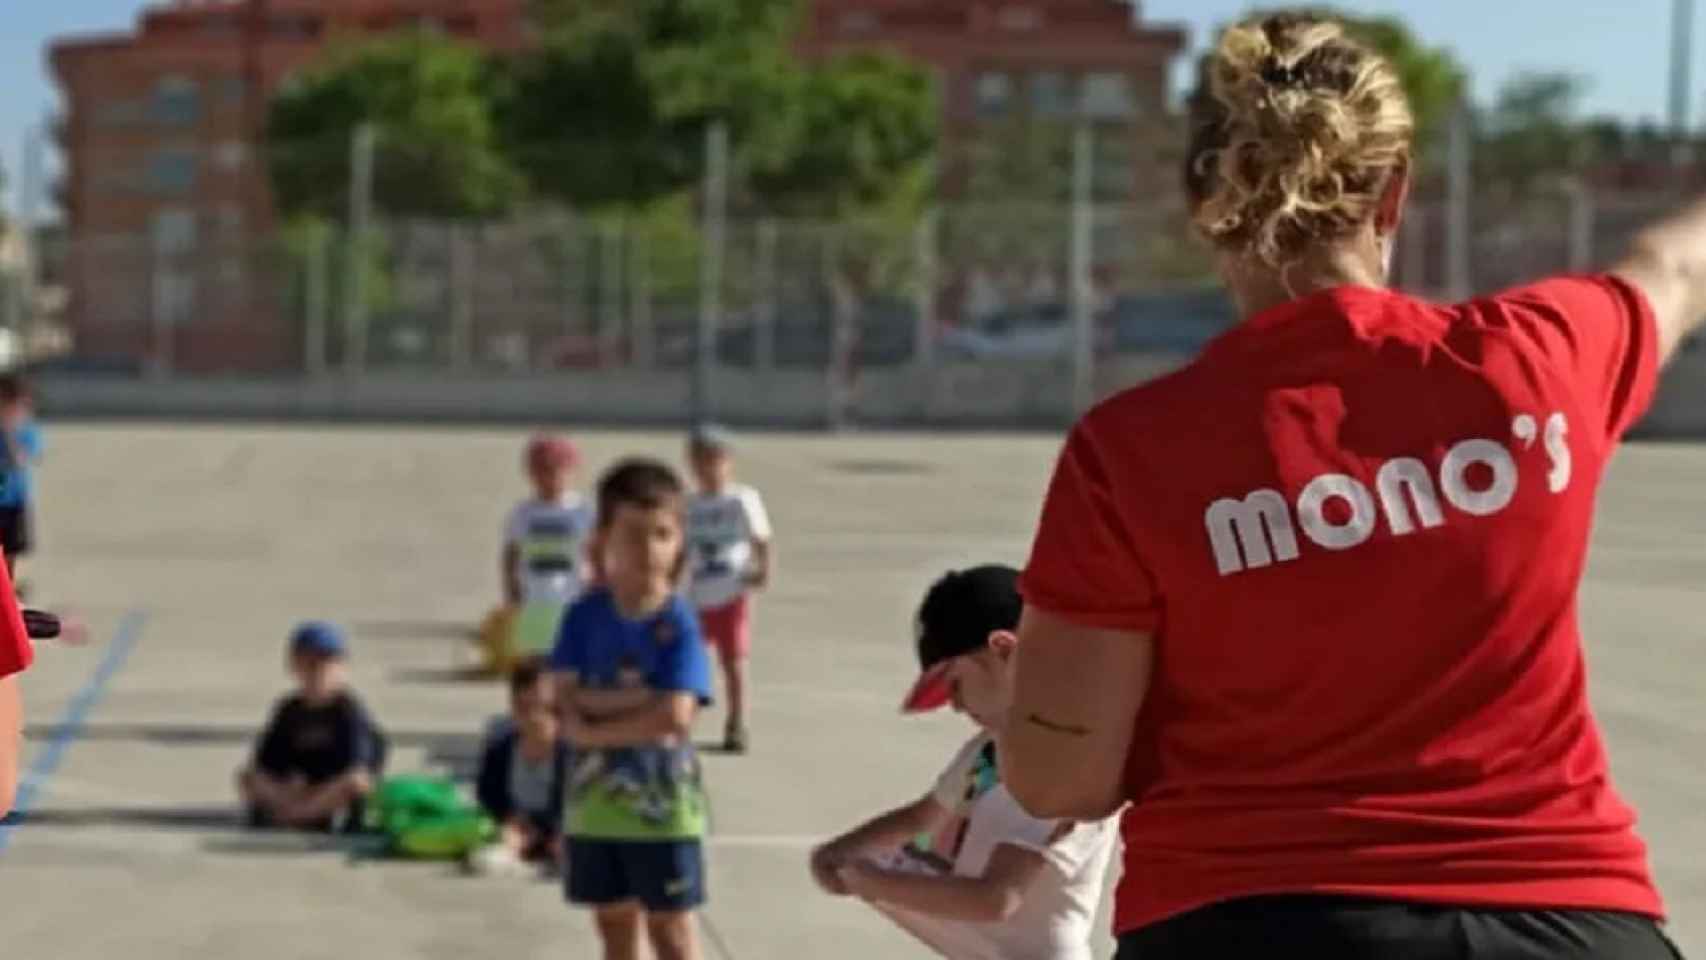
{"x": 15, "y": 525}
{"x": 663, "y": 876}
{"x": 1333, "y": 928}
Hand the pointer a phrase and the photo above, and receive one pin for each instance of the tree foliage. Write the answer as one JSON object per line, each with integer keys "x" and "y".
{"x": 431, "y": 104}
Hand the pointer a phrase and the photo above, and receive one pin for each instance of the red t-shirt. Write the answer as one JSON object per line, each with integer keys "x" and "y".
{"x": 16, "y": 650}
{"x": 1356, "y": 527}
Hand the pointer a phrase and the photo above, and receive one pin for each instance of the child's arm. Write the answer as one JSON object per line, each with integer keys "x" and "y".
{"x": 670, "y": 715}
{"x": 763, "y": 555}
{"x": 761, "y": 537}
{"x": 605, "y": 704}
{"x": 992, "y": 898}
{"x": 889, "y": 830}
{"x": 885, "y": 831}
{"x": 509, "y": 564}
{"x": 11, "y": 737}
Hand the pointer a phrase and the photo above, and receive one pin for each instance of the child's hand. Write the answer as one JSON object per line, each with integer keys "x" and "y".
{"x": 826, "y": 864}
{"x": 857, "y": 877}
{"x": 758, "y": 578}
{"x": 576, "y": 730}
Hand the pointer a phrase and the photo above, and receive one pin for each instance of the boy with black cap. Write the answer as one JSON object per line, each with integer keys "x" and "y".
{"x": 321, "y": 753}
{"x": 964, "y": 868}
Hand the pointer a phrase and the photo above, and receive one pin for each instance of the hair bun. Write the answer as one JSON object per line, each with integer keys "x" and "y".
{"x": 1295, "y": 133}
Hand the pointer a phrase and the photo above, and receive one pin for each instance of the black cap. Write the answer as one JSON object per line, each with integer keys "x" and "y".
{"x": 958, "y": 614}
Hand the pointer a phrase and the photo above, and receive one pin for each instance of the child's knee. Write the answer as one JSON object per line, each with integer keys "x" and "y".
{"x": 672, "y": 934}
{"x": 619, "y": 922}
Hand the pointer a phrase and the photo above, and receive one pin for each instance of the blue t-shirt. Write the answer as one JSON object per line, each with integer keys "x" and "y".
{"x": 643, "y": 792}
{"x": 15, "y": 476}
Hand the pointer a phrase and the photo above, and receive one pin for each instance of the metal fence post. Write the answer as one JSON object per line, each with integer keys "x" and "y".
{"x": 461, "y": 297}
{"x": 924, "y": 335}
{"x": 1459, "y": 233}
{"x": 355, "y": 269}
{"x": 1581, "y": 226}
{"x": 714, "y": 235}
{"x": 315, "y": 303}
{"x": 1083, "y": 312}
{"x": 642, "y": 350}
{"x": 164, "y": 291}
{"x": 612, "y": 247}
{"x": 764, "y": 314}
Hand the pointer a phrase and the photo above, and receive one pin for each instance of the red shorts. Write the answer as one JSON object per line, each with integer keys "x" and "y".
{"x": 728, "y": 629}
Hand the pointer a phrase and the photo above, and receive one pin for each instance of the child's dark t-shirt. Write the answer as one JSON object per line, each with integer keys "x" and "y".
{"x": 320, "y": 742}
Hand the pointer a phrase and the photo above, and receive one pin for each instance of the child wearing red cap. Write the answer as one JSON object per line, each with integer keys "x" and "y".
{"x": 544, "y": 548}
{"x": 964, "y": 868}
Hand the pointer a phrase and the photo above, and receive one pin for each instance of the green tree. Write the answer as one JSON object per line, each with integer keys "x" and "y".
{"x": 1531, "y": 133}
{"x": 430, "y": 101}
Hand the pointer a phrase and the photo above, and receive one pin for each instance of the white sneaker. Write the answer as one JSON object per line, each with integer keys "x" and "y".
{"x": 498, "y": 860}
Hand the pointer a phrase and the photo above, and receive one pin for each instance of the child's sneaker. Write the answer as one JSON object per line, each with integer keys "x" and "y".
{"x": 736, "y": 740}
{"x": 498, "y": 860}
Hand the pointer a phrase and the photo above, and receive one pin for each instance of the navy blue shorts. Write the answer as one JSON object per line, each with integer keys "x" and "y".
{"x": 663, "y": 876}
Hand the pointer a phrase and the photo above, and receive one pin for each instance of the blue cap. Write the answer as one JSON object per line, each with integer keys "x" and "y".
{"x": 710, "y": 437}
{"x": 318, "y": 637}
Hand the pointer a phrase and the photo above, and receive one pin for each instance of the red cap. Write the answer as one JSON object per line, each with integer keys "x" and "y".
{"x": 931, "y": 691}
{"x": 550, "y": 450}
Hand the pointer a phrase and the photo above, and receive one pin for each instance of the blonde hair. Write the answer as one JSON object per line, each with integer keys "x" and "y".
{"x": 1296, "y": 131}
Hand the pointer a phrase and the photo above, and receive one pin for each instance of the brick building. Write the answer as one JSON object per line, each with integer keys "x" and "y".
{"x": 167, "y": 202}
{"x": 1017, "y": 73}
{"x": 158, "y": 136}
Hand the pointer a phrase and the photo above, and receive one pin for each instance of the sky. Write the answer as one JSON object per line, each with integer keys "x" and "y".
{"x": 1620, "y": 47}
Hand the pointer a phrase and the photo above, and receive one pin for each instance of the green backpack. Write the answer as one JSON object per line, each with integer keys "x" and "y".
{"x": 426, "y": 818}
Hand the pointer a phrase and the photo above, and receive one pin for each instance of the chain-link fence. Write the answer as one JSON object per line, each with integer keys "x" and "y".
{"x": 1045, "y": 304}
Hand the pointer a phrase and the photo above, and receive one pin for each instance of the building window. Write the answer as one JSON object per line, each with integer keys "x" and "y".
{"x": 171, "y": 171}
{"x": 1051, "y": 94}
{"x": 233, "y": 88}
{"x": 860, "y": 23}
{"x": 177, "y": 100}
{"x": 229, "y": 156}
{"x": 230, "y": 220}
{"x": 173, "y": 231}
{"x": 1107, "y": 96}
{"x": 174, "y": 296}
{"x": 994, "y": 94}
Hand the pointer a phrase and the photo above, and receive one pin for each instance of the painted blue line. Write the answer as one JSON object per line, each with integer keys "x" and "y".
{"x": 70, "y": 727}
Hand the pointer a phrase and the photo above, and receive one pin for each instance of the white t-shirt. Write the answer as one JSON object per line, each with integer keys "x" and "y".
{"x": 1057, "y": 918}
{"x": 721, "y": 529}
{"x": 552, "y": 540}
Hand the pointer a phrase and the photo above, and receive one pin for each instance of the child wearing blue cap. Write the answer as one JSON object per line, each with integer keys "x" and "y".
{"x": 321, "y": 752}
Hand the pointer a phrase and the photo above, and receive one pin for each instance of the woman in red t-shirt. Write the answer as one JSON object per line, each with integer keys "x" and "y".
{"x": 1309, "y": 604}
{"x": 15, "y": 654}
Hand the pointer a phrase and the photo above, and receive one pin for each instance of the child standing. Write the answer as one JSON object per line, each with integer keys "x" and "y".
{"x": 964, "y": 868}
{"x": 632, "y": 676}
{"x": 20, "y": 448}
{"x": 523, "y": 771}
{"x": 729, "y": 535}
{"x": 321, "y": 753}
{"x": 544, "y": 549}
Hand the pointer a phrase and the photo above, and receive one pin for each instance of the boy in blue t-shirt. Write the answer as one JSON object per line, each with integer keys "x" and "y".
{"x": 20, "y": 447}
{"x": 633, "y": 674}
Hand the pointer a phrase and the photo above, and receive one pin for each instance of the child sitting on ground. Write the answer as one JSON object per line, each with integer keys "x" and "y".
{"x": 965, "y": 869}
{"x": 321, "y": 753}
{"x": 522, "y": 778}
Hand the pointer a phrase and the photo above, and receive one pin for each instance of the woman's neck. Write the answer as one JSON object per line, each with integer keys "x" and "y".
{"x": 1262, "y": 287}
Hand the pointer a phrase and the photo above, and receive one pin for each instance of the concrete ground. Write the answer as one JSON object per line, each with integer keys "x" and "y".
{"x": 192, "y": 551}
